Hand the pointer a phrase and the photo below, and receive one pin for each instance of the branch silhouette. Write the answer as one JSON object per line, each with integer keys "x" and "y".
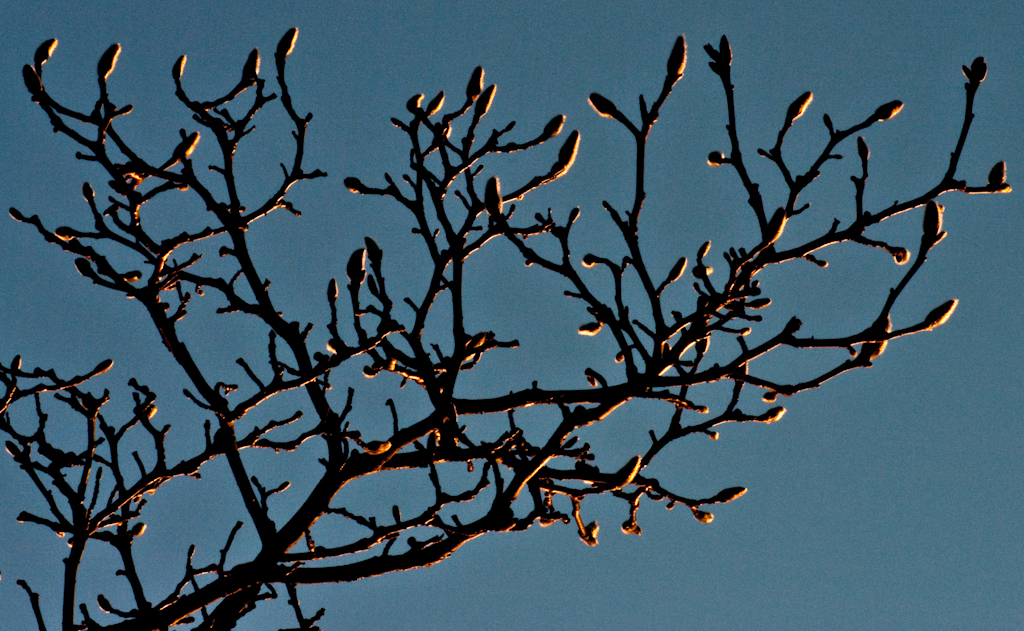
{"x": 458, "y": 206}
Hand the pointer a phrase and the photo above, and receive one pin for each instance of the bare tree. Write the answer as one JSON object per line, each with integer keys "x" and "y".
{"x": 482, "y": 480}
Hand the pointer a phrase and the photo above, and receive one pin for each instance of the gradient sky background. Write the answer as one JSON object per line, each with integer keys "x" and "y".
{"x": 889, "y": 499}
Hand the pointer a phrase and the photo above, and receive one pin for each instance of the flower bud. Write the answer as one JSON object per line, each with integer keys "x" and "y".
{"x": 932, "y": 221}
{"x": 553, "y": 127}
{"x": 716, "y": 159}
{"x": 353, "y": 184}
{"x": 373, "y": 251}
{"x": 484, "y": 102}
{"x": 589, "y": 329}
{"x": 997, "y": 176}
{"x": 677, "y": 58}
{"x": 979, "y": 69}
{"x": 939, "y": 315}
{"x": 179, "y": 67}
{"x": 356, "y": 271}
{"x": 476, "y": 83}
{"x": 703, "y": 517}
{"x": 108, "y": 61}
{"x": 287, "y": 43}
{"x": 251, "y": 70}
{"x": 862, "y": 149}
{"x": 727, "y": 495}
{"x": 43, "y": 53}
{"x": 887, "y": 111}
{"x": 798, "y": 107}
{"x": 492, "y": 196}
{"x": 32, "y": 82}
{"x": 567, "y": 154}
{"x": 603, "y": 106}
{"x": 435, "y": 104}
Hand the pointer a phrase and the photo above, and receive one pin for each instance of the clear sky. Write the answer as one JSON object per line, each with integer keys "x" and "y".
{"x": 888, "y": 499}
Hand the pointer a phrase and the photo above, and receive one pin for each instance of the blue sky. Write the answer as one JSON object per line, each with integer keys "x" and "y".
{"x": 887, "y": 499}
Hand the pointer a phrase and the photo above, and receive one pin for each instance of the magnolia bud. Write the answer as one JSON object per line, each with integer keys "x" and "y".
{"x": 187, "y": 146}
{"x": 939, "y": 315}
{"x": 484, "y": 102}
{"x": 727, "y": 495}
{"x": 104, "y": 365}
{"x": 356, "y": 271}
{"x": 901, "y": 255}
{"x": 553, "y": 127}
{"x": 997, "y": 176}
{"x": 492, "y": 196}
{"x": 87, "y": 192}
{"x": 703, "y": 517}
{"x": 626, "y": 474}
{"x": 589, "y": 329}
{"x": 589, "y": 260}
{"x": 373, "y": 251}
{"x": 435, "y": 104}
{"x": 676, "y": 272}
{"x": 332, "y": 290}
{"x": 32, "y": 82}
{"x": 603, "y": 106}
{"x": 567, "y": 154}
{"x": 716, "y": 159}
{"x": 413, "y": 104}
{"x": 108, "y": 61}
{"x": 476, "y": 83}
{"x": 862, "y": 149}
{"x": 887, "y": 111}
{"x": 677, "y": 58}
{"x": 798, "y": 107}
{"x": 179, "y": 67}
{"x": 873, "y": 350}
{"x": 932, "y": 221}
{"x": 43, "y": 53}
{"x": 979, "y": 69}
{"x": 772, "y": 415}
{"x": 376, "y": 448}
{"x": 251, "y": 70}
{"x": 353, "y": 184}
{"x": 287, "y": 43}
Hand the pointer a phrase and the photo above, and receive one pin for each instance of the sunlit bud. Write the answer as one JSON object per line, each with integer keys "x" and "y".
{"x": 703, "y": 517}
{"x": 828, "y": 123}
{"x": 630, "y": 527}
{"x": 769, "y": 396}
{"x": 138, "y": 529}
{"x": 43, "y": 52}
{"x": 484, "y": 102}
{"x": 476, "y": 83}
{"x": 435, "y": 104}
{"x": 772, "y": 415}
{"x": 727, "y": 495}
{"x": 626, "y": 474}
{"x": 997, "y": 176}
{"x": 676, "y": 272}
{"x": 798, "y": 107}
{"x": 16, "y": 364}
{"x": 251, "y": 70}
{"x": 546, "y": 521}
{"x": 179, "y": 67}
{"x": 776, "y": 225}
{"x": 713, "y": 435}
{"x": 64, "y": 233}
{"x": 83, "y": 267}
{"x": 594, "y": 378}
{"x": 332, "y": 290}
{"x": 373, "y": 251}
{"x": 104, "y": 604}
{"x": 103, "y": 366}
{"x": 108, "y": 61}
{"x": 939, "y": 315}
{"x": 492, "y": 196}
{"x": 413, "y": 104}
{"x": 932, "y": 220}
{"x": 132, "y": 276}
{"x": 287, "y": 43}
{"x": 760, "y": 303}
{"x": 979, "y": 69}
{"x": 704, "y": 249}
{"x": 376, "y": 448}
{"x": 355, "y": 270}
{"x": 32, "y": 82}
{"x": 873, "y": 350}
{"x": 589, "y": 534}
{"x": 677, "y": 58}
{"x": 887, "y": 111}
{"x": 603, "y": 106}
{"x": 87, "y": 192}
{"x": 187, "y": 146}
{"x": 589, "y": 260}
{"x": 702, "y": 345}
{"x": 589, "y": 329}
{"x": 353, "y": 184}
{"x": 901, "y": 255}
{"x": 620, "y": 357}
{"x": 725, "y": 50}
{"x": 553, "y": 127}
{"x": 862, "y": 149}
{"x": 716, "y": 159}
{"x": 567, "y": 154}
